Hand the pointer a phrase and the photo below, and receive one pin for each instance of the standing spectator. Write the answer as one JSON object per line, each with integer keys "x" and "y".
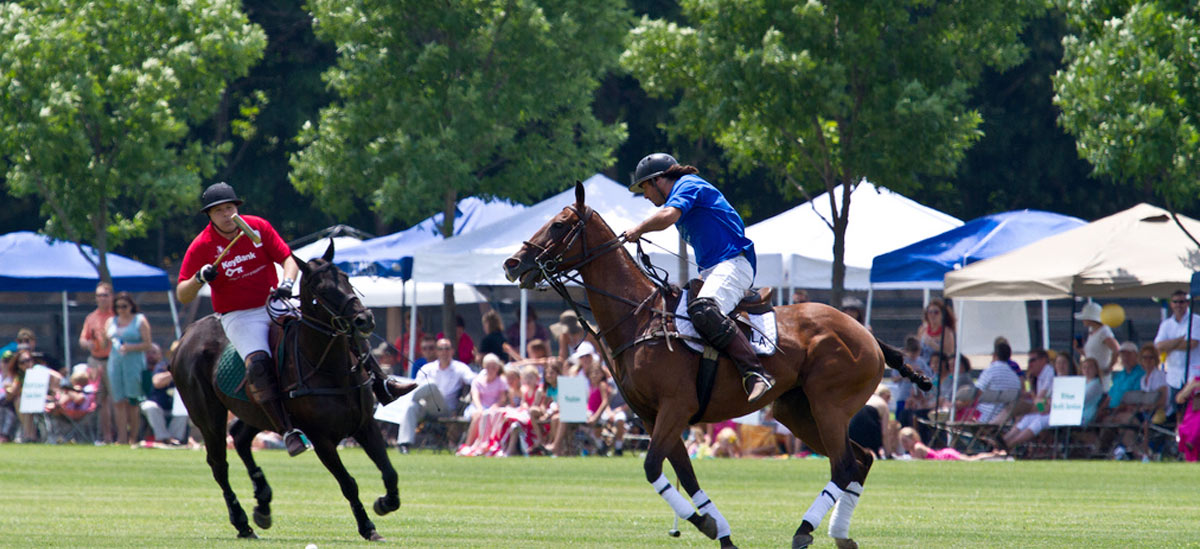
{"x": 425, "y": 354}
{"x": 94, "y": 339}
{"x": 568, "y": 332}
{"x": 997, "y": 377}
{"x": 493, "y": 341}
{"x": 160, "y": 399}
{"x": 533, "y": 330}
{"x": 918, "y": 403}
{"x": 130, "y": 334}
{"x": 1032, "y": 423}
{"x": 1189, "y": 427}
{"x": 465, "y": 350}
{"x": 853, "y": 307}
{"x": 437, "y": 394}
{"x": 1100, "y": 344}
{"x": 936, "y": 333}
{"x": 8, "y": 394}
{"x": 1182, "y": 354}
{"x": 799, "y": 295}
{"x": 401, "y": 343}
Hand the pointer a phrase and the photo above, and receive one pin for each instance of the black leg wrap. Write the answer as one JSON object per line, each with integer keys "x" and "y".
{"x": 717, "y": 328}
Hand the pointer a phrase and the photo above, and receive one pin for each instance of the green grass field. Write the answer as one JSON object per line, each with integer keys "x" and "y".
{"x": 82, "y": 496}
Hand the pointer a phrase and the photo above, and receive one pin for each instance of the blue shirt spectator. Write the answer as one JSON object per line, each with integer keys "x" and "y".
{"x": 1123, "y": 381}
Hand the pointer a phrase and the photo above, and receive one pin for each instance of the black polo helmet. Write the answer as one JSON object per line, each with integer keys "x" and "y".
{"x": 651, "y": 166}
{"x": 218, "y": 193}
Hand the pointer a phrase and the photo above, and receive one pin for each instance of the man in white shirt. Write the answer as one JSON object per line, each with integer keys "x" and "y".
{"x": 439, "y": 386}
{"x": 998, "y": 376}
{"x": 1172, "y": 339}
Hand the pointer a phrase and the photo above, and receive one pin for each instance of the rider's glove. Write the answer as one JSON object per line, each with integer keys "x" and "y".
{"x": 284, "y": 291}
{"x": 206, "y": 274}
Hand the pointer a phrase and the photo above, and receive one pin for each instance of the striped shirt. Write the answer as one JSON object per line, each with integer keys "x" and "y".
{"x": 997, "y": 377}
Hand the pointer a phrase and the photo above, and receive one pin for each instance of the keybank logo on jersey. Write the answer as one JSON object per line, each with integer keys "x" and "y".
{"x": 233, "y": 265}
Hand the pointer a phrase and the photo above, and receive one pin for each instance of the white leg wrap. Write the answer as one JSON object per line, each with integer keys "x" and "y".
{"x": 682, "y": 508}
{"x": 839, "y": 522}
{"x": 821, "y": 505}
{"x": 706, "y": 506}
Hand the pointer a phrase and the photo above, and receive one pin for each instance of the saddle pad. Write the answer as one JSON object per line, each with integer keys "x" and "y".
{"x": 763, "y": 335}
{"x": 231, "y": 371}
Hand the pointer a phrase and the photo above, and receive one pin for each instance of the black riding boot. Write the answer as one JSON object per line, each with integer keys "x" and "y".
{"x": 262, "y": 386}
{"x": 723, "y": 334}
{"x": 386, "y": 389}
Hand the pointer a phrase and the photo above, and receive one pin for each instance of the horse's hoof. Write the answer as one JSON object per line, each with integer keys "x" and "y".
{"x": 845, "y": 543}
{"x": 382, "y": 508}
{"x": 375, "y": 536}
{"x": 800, "y": 541}
{"x": 263, "y": 520}
{"x": 248, "y": 534}
{"x": 727, "y": 543}
{"x": 708, "y": 526}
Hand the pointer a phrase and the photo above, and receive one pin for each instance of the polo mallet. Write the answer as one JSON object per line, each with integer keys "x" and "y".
{"x": 243, "y": 229}
{"x": 674, "y": 531}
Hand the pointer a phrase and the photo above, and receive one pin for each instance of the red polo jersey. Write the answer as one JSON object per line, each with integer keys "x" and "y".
{"x": 246, "y": 275}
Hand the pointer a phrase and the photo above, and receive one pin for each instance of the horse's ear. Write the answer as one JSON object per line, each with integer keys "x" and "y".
{"x": 578, "y": 194}
{"x": 304, "y": 270}
{"x": 329, "y": 252}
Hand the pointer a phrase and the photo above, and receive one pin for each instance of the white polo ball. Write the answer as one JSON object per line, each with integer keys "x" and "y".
{"x": 311, "y": 546}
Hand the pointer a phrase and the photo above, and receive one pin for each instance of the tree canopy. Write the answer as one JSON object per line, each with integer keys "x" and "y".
{"x": 96, "y": 101}
{"x": 828, "y": 93}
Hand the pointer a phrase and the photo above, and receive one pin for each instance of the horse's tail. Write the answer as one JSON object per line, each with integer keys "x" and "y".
{"x": 895, "y": 359}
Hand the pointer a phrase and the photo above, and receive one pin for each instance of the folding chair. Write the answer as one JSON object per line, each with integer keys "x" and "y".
{"x": 970, "y": 433}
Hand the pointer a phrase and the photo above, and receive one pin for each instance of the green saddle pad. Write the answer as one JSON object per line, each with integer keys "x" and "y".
{"x": 231, "y": 370}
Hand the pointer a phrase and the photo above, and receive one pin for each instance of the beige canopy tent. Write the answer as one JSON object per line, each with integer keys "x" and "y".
{"x": 1139, "y": 252}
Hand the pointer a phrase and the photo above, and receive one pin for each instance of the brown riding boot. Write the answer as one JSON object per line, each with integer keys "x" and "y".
{"x": 388, "y": 390}
{"x": 262, "y": 386}
{"x": 755, "y": 380}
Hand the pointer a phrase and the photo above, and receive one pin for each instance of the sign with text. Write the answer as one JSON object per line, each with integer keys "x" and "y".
{"x": 572, "y": 399}
{"x": 33, "y": 391}
{"x": 1066, "y": 400}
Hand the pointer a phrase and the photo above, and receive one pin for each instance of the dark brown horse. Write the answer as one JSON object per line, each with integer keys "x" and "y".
{"x": 825, "y": 368}
{"x": 327, "y": 386}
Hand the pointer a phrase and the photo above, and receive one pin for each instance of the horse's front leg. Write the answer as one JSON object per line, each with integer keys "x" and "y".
{"x": 215, "y": 450}
{"x": 327, "y": 451}
{"x": 373, "y": 444}
{"x": 705, "y": 506}
{"x": 664, "y": 439}
{"x": 243, "y": 438}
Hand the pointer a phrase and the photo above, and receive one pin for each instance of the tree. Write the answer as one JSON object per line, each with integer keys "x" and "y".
{"x": 440, "y": 101}
{"x": 828, "y": 93}
{"x": 1130, "y": 93}
{"x": 96, "y": 98}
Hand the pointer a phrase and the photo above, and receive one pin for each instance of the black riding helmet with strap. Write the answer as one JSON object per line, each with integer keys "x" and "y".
{"x": 651, "y": 166}
{"x": 216, "y": 194}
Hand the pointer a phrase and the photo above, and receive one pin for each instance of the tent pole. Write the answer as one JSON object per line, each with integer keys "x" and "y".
{"x": 524, "y": 320}
{"x": 1045, "y": 324}
{"x": 870, "y": 301}
{"x": 174, "y": 313}
{"x": 412, "y": 326}
{"x": 66, "y": 333}
{"x": 925, "y": 298}
{"x": 958, "y": 339}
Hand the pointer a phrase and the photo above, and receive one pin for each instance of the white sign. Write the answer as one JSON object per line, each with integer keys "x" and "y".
{"x": 1066, "y": 400}
{"x": 572, "y": 399}
{"x": 33, "y": 391}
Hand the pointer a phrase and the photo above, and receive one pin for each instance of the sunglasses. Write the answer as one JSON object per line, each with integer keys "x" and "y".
{"x": 1179, "y": 301}
{"x": 25, "y": 361}
{"x": 103, "y": 295}
{"x": 25, "y": 340}
{"x": 122, "y": 306}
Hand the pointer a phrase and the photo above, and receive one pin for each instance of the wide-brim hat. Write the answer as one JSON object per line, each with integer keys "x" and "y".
{"x": 1091, "y": 311}
{"x": 568, "y": 322}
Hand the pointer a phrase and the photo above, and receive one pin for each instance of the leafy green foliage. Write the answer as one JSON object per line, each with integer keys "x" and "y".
{"x": 1130, "y": 94}
{"x": 96, "y": 101}
{"x": 440, "y": 101}
{"x": 827, "y": 93}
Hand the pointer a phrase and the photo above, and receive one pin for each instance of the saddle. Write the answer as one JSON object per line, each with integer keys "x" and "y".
{"x": 230, "y": 372}
{"x": 754, "y": 302}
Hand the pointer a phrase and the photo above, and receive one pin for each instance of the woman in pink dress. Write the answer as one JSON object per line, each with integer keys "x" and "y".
{"x": 915, "y": 448}
{"x": 1189, "y": 426}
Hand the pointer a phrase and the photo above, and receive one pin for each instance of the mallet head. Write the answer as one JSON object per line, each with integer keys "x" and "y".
{"x": 245, "y": 228}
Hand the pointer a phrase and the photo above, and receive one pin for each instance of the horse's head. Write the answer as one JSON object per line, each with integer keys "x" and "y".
{"x": 326, "y": 295}
{"x": 557, "y": 247}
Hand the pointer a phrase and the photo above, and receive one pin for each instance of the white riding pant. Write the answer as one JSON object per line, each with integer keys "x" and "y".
{"x": 247, "y": 329}
{"x": 727, "y": 282}
{"x": 426, "y": 400}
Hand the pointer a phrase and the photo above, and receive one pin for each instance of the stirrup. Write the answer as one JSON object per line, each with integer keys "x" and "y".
{"x": 756, "y": 385}
{"x": 295, "y": 442}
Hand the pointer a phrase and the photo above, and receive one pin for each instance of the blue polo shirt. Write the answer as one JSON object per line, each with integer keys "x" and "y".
{"x": 1123, "y": 382}
{"x": 707, "y": 222}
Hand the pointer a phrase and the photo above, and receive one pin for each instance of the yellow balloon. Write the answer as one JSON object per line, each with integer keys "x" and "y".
{"x": 1112, "y": 315}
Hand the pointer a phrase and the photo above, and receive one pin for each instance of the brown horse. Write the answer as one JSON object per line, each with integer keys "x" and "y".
{"x": 825, "y": 367}
{"x": 329, "y": 394}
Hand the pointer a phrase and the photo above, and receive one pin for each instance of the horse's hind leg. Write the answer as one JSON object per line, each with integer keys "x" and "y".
{"x": 243, "y": 437}
{"x": 664, "y": 440}
{"x": 687, "y": 478}
{"x": 214, "y": 447}
{"x": 327, "y": 451}
{"x": 373, "y": 444}
{"x": 848, "y": 466}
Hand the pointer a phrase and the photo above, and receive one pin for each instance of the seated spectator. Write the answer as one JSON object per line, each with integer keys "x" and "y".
{"x": 71, "y": 403}
{"x": 799, "y": 295}
{"x": 598, "y": 398}
{"x": 160, "y": 400}
{"x": 441, "y": 383}
{"x": 1064, "y": 365}
{"x": 385, "y": 355}
{"x": 533, "y": 331}
{"x": 726, "y": 444}
{"x": 1189, "y": 427}
{"x": 512, "y": 379}
{"x": 25, "y": 361}
{"x": 616, "y": 417}
{"x": 1039, "y": 398}
{"x": 569, "y": 333}
{"x": 27, "y": 340}
{"x": 537, "y": 354}
{"x": 1154, "y": 413}
{"x": 402, "y": 342}
{"x": 8, "y": 388}
{"x": 494, "y": 341}
{"x": 489, "y": 392}
{"x": 998, "y": 376}
{"x": 853, "y": 307}
{"x": 919, "y": 403}
{"x": 918, "y": 450}
{"x": 1012, "y": 363}
{"x": 1128, "y": 378}
{"x": 1093, "y": 392}
{"x": 869, "y": 427}
{"x": 426, "y": 353}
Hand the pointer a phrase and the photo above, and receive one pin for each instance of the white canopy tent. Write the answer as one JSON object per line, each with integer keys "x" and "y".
{"x": 880, "y": 221}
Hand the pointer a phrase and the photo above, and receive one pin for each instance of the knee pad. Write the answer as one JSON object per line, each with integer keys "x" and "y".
{"x": 717, "y": 328}
{"x": 260, "y": 376}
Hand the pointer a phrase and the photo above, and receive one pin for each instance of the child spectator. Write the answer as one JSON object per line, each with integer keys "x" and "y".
{"x": 917, "y": 450}
{"x": 488, "y": 392}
